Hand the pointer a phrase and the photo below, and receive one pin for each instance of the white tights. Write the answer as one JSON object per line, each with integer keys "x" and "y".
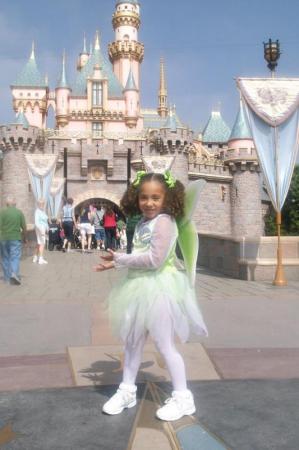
{"x": 165, "y": 345}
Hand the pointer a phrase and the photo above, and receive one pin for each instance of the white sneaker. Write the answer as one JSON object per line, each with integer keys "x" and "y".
{"x": 35, "y": 259}
{"x": 42, "y": 261}
{"x": 180, "y": 404}
{"x": 125, "y": 397}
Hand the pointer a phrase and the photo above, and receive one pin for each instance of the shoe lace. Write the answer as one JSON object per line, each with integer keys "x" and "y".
{"x": 170, "y": 400}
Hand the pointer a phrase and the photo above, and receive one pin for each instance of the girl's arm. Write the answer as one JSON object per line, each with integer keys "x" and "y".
{"x": 163, "y": 238}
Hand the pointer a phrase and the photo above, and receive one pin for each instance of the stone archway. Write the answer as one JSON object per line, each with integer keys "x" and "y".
{"x": 96, "y": 193}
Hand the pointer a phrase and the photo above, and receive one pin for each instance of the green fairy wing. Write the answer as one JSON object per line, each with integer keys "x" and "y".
{"x": 188, "y": 238}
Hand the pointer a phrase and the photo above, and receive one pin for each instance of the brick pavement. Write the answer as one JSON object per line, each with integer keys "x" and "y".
{"x": 253, "y": 328}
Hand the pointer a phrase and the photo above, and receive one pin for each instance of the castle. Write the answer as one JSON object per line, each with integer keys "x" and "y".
{"x": 99, "y": 117}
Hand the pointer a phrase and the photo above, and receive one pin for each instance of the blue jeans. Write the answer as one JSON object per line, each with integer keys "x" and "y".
{"x": 10, "y": 256}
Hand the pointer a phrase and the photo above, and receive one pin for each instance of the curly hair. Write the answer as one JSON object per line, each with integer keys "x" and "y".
{"x": 173, "y": 202}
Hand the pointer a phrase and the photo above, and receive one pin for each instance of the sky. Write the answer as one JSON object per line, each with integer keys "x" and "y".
{"x": 205, "y": 45}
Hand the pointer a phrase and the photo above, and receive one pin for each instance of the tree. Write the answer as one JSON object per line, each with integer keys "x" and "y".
{"x": 290, "y": 211}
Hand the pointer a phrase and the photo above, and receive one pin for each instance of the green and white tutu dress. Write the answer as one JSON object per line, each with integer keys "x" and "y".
{"x": 154, "y": 287}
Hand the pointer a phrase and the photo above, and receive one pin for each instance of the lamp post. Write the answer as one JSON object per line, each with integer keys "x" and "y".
{"x": 271, "y": 55}
{"x": 129, "y": 166}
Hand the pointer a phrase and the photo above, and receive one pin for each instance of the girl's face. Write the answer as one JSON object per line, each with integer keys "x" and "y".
{"x": 151, "y": 198}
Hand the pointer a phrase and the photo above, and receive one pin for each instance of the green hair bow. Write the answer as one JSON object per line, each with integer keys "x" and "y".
{"x": 169, "y": 179}
{"x": 139, "y": 175}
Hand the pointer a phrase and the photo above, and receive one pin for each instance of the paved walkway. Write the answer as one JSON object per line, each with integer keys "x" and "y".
{"x": 58, "y": 361}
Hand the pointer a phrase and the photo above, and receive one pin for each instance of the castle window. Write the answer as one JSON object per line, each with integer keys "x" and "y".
{"x": 29, "y": 94}
{"x": 97, "y": 94}
{"x": 97, "y": 128}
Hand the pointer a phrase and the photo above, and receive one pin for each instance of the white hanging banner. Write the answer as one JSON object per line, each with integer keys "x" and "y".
{"x": 273, "y": 99}
{"x": 55, "y": 197}
{"x": 41, "y": 170}
{"x": 271, "y": 105}
{"x": 157, "y": 164}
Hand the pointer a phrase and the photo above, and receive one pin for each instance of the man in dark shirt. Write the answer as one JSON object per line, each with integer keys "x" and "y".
{"x": 12, "y": 231}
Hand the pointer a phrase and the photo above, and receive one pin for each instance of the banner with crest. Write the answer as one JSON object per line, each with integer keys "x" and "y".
{"x": 272, "y": 110}
{"x": 41, "y": 169}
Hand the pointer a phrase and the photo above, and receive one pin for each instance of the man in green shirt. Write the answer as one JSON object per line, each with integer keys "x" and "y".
{"x": 12, "y": 231}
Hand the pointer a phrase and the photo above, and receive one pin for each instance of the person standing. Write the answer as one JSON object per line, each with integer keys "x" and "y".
{"x": 110, "y": 228}
{"x": 130, "y": 229}
{"x": 12, "y": 232}
{"x": 97, "y": 220}
{"x": 41, "y": 229}
{"x": 85, "y": 228}
{"x": 68, "y": 223}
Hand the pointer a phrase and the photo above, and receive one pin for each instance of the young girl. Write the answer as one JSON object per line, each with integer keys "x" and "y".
{"x": 155, "y": 298}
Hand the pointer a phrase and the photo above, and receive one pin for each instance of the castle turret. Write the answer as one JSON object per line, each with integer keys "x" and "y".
{"x": 62, "y": 98}
{"x": 21, "y": 120}
{"x": 242, "y": 161}
{"x": 30, "y": 93}
{"x": 131, "y": 94}
{"x": 16, "y": 140}
{"x": 83, "y": 56}
{"x": 162, "y": 96}
{"x": 216, "y": 133}
{"x": 126, "y": 51}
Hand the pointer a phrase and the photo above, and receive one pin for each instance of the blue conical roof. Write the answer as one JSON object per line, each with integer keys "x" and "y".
{"x": 115, "y": 89}
{"x": 22, "y": 120}
{"x": 133, "y": 2}
{"x": 62, "y": 83}
{"x": 216, "y": 130}
{"x": 30, "y": 75}
{"x": 171, "y": 122}
{"x": 131, "y": 85}
{"x": 241, "y": 128}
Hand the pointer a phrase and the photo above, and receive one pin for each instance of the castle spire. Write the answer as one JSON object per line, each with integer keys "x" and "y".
{"x": 131, "y": 85}
{"x": 30, "y": 76}
{"x": 32, "y": 55}
{"x": 97, "y": 41}
{"x": 162, "y": 96}
{"x": 84, "y": 44}
{"x": 241, "y": 128}
{"x": 63, "y": 82}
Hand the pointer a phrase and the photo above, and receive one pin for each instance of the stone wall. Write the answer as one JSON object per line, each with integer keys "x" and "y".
{"x": 248, "y": 258}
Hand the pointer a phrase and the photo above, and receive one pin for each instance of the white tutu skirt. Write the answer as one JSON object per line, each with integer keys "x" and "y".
{"x": 141, "y": 300}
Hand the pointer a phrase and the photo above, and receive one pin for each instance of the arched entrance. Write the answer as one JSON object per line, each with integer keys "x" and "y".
{"x": 98, "y": 202}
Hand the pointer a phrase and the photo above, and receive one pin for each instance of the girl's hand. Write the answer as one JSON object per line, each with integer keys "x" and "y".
{"x": 108, "y": 257}
{"x": 104, "y": 266}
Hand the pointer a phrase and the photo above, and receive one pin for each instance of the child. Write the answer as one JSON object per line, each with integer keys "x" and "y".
{"x": 155, "y": 298}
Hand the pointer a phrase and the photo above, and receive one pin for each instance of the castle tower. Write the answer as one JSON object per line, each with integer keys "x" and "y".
{"x": 30, "y": 93}
{"x": 131, "y": 94}
{"x": 17, "y": 139}
{"x": 62, "y": 98}
{"x": 245, "y": 193}
{"x": 162, "y": 96}
{"x": 175, "y": 140}
{"x": 126, "y": 51}
{"x": 84, "y": 56}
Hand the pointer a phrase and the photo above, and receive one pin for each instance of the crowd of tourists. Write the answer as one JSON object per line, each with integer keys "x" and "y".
{"x": 93, "y": 227}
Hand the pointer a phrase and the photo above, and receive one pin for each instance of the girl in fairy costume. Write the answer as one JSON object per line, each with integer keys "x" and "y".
{"x": 156, "y": 298}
